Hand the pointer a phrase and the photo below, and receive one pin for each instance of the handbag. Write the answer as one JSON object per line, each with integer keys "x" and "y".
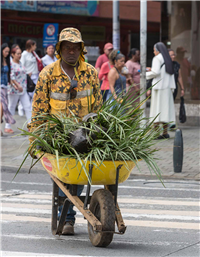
{"x": 39, "y": 62}
{"x": 30, "y": 84}
{"x": 182, "y": 112}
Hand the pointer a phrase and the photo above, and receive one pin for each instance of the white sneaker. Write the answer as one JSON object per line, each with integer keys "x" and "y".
{"x": 20, "y": 112}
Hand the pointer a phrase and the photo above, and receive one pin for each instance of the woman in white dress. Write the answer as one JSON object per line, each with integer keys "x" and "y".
{"x": 49, "y": 57}
{"x": 162, "y": 103}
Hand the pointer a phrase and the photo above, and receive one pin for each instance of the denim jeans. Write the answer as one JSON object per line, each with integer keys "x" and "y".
{"x": 71, "y": 213}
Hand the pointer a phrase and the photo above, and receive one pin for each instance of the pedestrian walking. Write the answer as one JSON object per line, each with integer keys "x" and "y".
{"x": 103, "y": 57}
{"x": 5, "y": 80}
{"x": 49, "y": 57}
{"x": 103, "y": 75}
{"x": 17, "y": 90}
{"x": 29, "y": 61}
{"x": 117, "y": 82}
{"x": 12, "y": 47}
{"x": 177, "y": 74}
{"x": 64, "y": 87}
{"x": 133, "y": 65}
{"x": 162, "y": 103}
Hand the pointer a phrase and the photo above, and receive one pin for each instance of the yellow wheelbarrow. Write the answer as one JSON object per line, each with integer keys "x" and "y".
{"x": 101, "y": 209}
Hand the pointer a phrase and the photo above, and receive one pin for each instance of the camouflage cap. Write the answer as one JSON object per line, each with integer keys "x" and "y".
{"x": 72, "y": 35}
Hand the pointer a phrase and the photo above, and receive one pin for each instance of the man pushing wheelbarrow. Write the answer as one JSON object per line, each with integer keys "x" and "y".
{"x": 81, "y": 141}
{"x": 64, "y": 87}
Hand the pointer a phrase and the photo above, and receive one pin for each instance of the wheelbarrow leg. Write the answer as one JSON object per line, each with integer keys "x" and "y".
{"x": 66, "y": 204}
{"x": 114, "y": 190}
{"x": 88, "y": 187}
{"x": 63, "y": 216}
{"x": 116, "y": 184}
{"x": 57, "y": 229}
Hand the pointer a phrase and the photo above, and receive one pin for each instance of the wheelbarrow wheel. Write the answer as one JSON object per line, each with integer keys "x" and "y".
{"x": 102, "y": 206}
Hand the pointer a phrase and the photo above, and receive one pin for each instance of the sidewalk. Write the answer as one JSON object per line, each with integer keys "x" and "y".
{"x": 13, "y": 148}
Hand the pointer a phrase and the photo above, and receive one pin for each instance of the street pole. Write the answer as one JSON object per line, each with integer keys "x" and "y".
{"x": 116, "y": 31}
{"x": 143, "y": 51}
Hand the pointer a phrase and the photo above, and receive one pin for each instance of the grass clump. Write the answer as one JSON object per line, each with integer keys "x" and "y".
{"x": 116, "y": 133}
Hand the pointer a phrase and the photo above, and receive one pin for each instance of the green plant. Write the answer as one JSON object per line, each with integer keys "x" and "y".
{"x": 116, "y": 133}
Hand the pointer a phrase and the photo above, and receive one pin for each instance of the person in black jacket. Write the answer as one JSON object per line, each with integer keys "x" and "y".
{"x": 177, "y": 74}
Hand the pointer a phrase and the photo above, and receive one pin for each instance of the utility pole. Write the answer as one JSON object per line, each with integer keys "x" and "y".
{"x": 143, "y": 50}
{"x": 116, "y": 31}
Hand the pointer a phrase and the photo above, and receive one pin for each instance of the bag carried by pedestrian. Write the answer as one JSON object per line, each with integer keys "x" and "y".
{"x": 39, "y": 61}
{"x": 149, "y": 83}
{"x": 182, "y": 112}
{"x": 30, "y": 84}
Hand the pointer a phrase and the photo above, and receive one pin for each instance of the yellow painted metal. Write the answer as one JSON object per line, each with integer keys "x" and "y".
{"x": 68, "y": 171}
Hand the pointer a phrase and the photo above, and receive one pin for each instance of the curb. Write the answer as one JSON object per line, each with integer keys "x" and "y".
{"x": 170, "y": 177}
{"x": 11, "y": 169}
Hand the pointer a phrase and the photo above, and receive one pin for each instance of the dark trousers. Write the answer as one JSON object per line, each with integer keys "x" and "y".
{"x": 104, "y": 94}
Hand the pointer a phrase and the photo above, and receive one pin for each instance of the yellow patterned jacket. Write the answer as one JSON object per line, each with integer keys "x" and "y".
{"x": 51, "y": 93}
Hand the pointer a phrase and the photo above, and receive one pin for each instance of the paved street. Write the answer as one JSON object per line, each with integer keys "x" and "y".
{"x": 161, "y": 221}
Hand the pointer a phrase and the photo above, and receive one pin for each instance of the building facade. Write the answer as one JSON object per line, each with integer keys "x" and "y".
{"x": 22, "y": 20}
{"x": 181, "y": 32}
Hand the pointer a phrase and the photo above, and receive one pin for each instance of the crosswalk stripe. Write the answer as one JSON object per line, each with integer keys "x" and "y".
{"x": 33, "y": 207}
{"x": 162, "y": 224}
{"x": 160, "y": 202}
{"x": 122, "y": 200}
{"x": 9, "y": 254}
{"x": 135, "y": 223}
{"x": 26, "y": 206}
{"x": 125, "y": 215}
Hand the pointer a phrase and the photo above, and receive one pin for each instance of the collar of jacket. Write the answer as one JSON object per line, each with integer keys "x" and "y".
{"x": 57, "y": 68}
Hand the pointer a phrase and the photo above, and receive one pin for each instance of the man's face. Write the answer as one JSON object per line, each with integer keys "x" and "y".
{"x": 70, "y": 51}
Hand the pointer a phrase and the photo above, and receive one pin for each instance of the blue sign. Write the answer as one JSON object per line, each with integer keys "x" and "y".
{"x": 50, "y": 34}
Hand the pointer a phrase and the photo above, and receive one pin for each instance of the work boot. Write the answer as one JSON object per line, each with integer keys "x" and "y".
{"x": 68, "y": 228}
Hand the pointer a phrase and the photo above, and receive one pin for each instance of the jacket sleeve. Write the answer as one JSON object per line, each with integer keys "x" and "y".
{"x": 23, "y": 59}
{"x": 12, "y": 73}
{"x": 155, "y": 69}
{"x": 41, "y": 99}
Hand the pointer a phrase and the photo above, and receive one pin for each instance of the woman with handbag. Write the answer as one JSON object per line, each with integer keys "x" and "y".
{"x": 5, "y": 80}
{"x": 177, "y": 74}
{"x": 17, "y": 89}
{"x": 29, "y": 61}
